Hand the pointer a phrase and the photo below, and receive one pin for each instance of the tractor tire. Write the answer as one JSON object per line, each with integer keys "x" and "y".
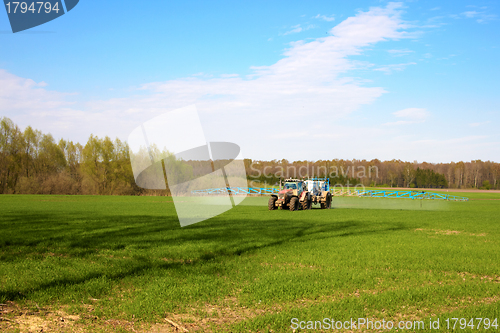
{"x": 328, "y": 203}
{"x": 294, "y": 204}
{"x": 272, "y": 201}
{"x": 306, "y": 204}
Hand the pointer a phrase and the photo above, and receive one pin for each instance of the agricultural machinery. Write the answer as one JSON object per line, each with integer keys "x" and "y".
{"x": 301, "y": 194}
{"x": 320, "y": 191}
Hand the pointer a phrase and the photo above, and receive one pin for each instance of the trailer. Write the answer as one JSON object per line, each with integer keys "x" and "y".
{"x": 319, "y": 188}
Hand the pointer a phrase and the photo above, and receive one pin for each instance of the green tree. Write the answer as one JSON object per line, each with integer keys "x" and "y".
{"x": 11, "y": 144}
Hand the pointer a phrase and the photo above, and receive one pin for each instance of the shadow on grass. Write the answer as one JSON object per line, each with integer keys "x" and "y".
{"x": 82, "y": 236}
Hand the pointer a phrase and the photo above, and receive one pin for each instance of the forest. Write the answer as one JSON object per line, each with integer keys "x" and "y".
{"x": 32, "y": 162}
{"x": 375, "y": 173}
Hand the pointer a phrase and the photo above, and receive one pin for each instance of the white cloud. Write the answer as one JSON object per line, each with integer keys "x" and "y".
{"x": 27, "y": 102}
{"x": 480, "y": 16}
{"x": 448, "y": 57}
{"x": 434, "y": 22}
{"x": 18, "y": 94}
{"x": 479, "y": 124}
{"x": 399, "y": 122}
{"x": 229, "y": 75}
{"x": 486, "y": 18}
{"x": 412, "y": 115}
{"x": 295, "y": 29}
{"x": 325, "y": 18}
{"x": 376, "y": 25}
{"x": 305, "y": 81}
{"x": 298, "y": 28}
{"x": 470, "y": 14}
{"x": 399, "y": 53}
{"x": 388, "y": 69}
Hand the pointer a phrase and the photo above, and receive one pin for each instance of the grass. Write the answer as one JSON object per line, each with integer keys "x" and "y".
{"x": 123, "y": 263}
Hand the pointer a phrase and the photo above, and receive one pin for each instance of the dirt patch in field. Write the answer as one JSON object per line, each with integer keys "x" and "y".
{"x": 449, "y": 232}
{"x": 16, "y": 319}
{"x": 13, "y": 318}
{"x": 287, "y": 265}
{"x": 211, "y": 317}
{"x": 415, "y": 313}
{"x": 485, "y": 278}
{"x": 207, "y": 318}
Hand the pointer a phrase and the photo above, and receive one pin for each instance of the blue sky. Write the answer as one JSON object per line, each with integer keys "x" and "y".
{"x": 321, "y": 80}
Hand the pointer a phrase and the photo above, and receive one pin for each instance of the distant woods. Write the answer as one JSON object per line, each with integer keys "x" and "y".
{"x": 396, "y": 173}
{"x": 33, "y": 162}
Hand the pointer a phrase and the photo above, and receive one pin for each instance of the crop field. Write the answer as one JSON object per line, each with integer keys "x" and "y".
{"x": 123, "y": 264}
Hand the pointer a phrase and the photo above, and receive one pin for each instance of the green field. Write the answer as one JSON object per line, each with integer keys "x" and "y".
{"x": 117, "y": 263}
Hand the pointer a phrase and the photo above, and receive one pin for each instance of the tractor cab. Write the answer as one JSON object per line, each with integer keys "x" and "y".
{"x": 294, "y": 187}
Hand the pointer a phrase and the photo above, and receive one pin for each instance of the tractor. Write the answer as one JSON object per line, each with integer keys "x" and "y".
{"x": 293, "y": 196}
{"x": 319, "y": 189}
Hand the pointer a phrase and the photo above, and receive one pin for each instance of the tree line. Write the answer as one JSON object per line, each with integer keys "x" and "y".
{"x": 395, "y": 173}
{"x": 34, "y": 162}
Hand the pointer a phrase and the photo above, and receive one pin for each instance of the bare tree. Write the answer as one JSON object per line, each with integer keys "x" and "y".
{"x": 408, "y": 174}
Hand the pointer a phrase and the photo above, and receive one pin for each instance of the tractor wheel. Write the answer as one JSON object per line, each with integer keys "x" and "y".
{"x": 306, "y": 204}
{"x": 271, "y": 205}
{"x": 294, "y": 204}
{"x": 328, "y": 201}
